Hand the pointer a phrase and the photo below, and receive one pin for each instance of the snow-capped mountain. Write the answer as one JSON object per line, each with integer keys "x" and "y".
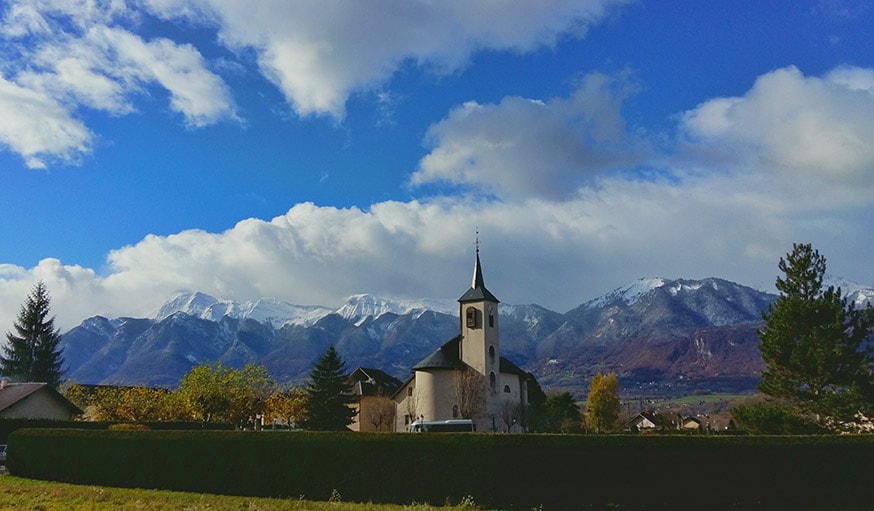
{"x": 360, "y": 307}
{"x": 656, "y": 334}
{"x": 266, "y": 310}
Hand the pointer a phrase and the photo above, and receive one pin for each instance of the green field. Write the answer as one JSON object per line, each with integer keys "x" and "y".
{"x": 32, "y": 495}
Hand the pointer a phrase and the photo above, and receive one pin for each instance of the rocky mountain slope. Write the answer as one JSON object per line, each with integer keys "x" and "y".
{"x": 660, "y": 336}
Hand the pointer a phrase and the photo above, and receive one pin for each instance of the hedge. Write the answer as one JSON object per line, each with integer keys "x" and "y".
{"x": 7, "y": 426}
{"x": 505, "y": 471}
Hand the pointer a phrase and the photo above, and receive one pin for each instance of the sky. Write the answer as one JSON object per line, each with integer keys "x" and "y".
{"x": 312, "y": 150}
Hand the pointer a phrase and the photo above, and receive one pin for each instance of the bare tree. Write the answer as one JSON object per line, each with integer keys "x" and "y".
{"x": 381, "y": 412}
{"x": 470, "y": 390}
{"x": 510, "y": 412}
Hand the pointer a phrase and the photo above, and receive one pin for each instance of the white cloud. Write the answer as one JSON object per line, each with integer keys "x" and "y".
{"x": 733, "y": 223}
{"x": 809, "y": 128}
{"x": 319, "y": 53}
{"x": 37, "y": 127}
{"x": 78, "y": 55}
{"x": 524, "y": 147}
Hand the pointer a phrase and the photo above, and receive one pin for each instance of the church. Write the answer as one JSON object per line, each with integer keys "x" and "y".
{"x": 467, "y": 378}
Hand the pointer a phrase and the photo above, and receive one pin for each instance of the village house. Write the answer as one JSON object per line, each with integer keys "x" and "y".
{"x": 375, "y": 409}
{"x": 467, "y": 378}
{"x": 34, "y": 401}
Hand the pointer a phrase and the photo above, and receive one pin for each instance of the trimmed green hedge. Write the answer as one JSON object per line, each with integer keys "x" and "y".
{"x": 505, "y": 471}
{"x": 7, "y": 426}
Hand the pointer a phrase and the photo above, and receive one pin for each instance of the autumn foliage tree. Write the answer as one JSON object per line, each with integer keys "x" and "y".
{"x": 815, "y": 344}
{"x": 289, "y": 406}
{"x": 602, "y": 404}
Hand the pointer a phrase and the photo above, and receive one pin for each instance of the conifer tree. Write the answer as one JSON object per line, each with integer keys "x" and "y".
{"x": 328, "y": 396}
{"x": 814, "y": 343}
{"x": 31, "y": 353}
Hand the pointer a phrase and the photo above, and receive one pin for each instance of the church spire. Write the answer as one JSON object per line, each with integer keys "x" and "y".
{"x": 478, "y": 291}
{"x": 477, "y": 268}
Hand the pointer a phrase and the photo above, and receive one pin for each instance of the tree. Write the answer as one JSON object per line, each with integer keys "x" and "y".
{"x": 253, "y": 387}
{"x": 470, "y": 391}
{"x": 288, "y": 406}
{"x": 329, "y": 397}
{"x": 215, "y": 393}
{"x": 814, "y": 344}
{"x": 562, "y": 415}
{"x": 534, "y": 417}
{"x": 602, "y": 404}
{"x": 207, "y": 392}
{"x": 32, "y": 353}
{"x": 381, "y": 412}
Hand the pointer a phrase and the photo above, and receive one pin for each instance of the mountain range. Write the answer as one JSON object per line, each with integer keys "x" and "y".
{"x": 659, "y": 336}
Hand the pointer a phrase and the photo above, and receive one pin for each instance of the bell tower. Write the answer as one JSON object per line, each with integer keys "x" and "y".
{"x": 480, "y": 349}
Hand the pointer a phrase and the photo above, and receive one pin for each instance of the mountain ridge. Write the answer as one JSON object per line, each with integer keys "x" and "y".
{"x": 654, "y": 331}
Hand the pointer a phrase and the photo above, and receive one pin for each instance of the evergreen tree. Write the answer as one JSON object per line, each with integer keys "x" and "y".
{"x": 814, "y": 343}
{"x": 602, "y": 404}
{"x": 561, "y": 414}
{"x": 328, "y": 396}
{"x": 31, "y": 353}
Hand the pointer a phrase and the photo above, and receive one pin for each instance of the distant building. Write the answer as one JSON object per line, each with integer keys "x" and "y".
{"x": 34, "y": 401}
{"x": 643, "y": 421}
{"x": 376, "y": 409}
{"x": 467, "y": 377}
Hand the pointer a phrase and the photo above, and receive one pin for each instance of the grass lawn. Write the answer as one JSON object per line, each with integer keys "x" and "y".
{"x": 32, "y": 495}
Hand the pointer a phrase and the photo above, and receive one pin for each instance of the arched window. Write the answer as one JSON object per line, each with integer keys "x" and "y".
{"x": 471, "y": 317}
{"x": 491, "y": 319}
{"x": 454, "y": 411}
{"x": 506, "y": 389}
{"x": 492, "y": 353}
{"x": 492, "y": 380}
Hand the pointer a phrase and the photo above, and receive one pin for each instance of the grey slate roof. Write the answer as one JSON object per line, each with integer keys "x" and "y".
{"x": 446, "y": 357}
{"x": 373, "y": 382}
{"x": 478, "y": 291}
{"x": 12, "y": 393}
{"x": 509, "y": 367}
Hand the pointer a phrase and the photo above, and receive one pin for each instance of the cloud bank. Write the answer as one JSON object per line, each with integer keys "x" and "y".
{"x": 67, "y": 57}
{"x": 703, "y": 212}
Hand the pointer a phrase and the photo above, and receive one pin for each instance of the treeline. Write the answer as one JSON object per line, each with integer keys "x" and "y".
{"x": 209, "y": 393}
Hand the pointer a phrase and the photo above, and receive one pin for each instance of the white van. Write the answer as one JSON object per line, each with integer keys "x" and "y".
{"x": 447, "y": 426}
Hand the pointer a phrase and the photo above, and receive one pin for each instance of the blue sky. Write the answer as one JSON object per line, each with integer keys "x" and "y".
{"x": 310, "y": 151}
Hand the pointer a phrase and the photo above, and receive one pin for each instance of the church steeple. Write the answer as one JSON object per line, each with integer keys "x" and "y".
{"x": 478, "y": 291}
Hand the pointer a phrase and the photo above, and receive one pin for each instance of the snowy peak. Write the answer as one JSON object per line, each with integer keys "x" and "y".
{"x": 360, "y": 307}
{"x": 629, "y": 293}
{"x": 266, "y": 310}
{"x": 857, "y": 294}
{"x": 193, "y": 304}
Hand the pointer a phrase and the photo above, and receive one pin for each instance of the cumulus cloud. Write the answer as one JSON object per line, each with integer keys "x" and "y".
{"x": 527, "y": 147}
{"x": 817, "y": 129}
{"x": 733, "y": 223}
{"x": 319, "y": 53}
{"x": 37, "y": 126}
{"x": 63, "y": 57}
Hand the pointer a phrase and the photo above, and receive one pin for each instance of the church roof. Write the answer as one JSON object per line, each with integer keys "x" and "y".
{"x": 511, "y": 368}
{"x": 445, "y": 357}
{"x": 478, "y": 291}
{"x": 372, "y": 382}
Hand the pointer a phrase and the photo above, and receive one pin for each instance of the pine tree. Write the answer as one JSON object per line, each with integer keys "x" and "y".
{"x": 32, "y": 354}
{"x": 814, "y": 343}
{"x": 328, "y": 396}
{"x": 602, "y": 404}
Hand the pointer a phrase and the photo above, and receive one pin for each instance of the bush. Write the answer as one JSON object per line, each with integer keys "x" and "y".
{"x": 504, "y": 471}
